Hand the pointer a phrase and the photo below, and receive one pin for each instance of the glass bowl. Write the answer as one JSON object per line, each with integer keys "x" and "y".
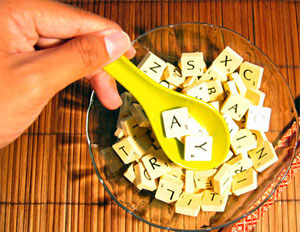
{"x": 168, "y": 43}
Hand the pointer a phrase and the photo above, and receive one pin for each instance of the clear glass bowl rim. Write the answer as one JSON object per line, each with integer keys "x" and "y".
{"x": 209, "y": 228}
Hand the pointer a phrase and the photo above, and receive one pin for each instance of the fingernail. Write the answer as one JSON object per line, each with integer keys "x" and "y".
{"x": 131, "y": 52}
{"x": 116, "y": 43}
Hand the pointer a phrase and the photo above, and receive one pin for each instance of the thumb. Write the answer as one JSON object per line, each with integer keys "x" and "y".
{"x": 80, "y": 57}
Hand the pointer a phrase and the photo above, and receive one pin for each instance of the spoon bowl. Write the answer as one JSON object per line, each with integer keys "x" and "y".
{"x": 155, "y": 99}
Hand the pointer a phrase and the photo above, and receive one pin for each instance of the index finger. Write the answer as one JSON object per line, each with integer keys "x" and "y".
{"x": 24, "y": 22}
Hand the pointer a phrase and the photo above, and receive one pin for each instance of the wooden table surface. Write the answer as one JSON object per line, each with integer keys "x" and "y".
{"x": 47, "y": 181}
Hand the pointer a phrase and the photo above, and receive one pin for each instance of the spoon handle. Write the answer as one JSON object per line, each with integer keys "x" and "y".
{"x": 133, "y": 79}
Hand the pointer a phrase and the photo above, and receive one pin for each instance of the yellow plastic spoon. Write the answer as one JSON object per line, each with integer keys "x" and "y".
{"x": 155, "y": 99}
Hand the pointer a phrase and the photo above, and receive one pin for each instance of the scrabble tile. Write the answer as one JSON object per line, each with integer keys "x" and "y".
{"x": 120, "y": 117}
{"x": 243, "y": 141}
{"x": 127, "y": 149}
{"x": 235, "y": 106}
{"x": 215, "y": 90}
{"x": 232, "y": 126}
{"x": 259, "y": 136}
{"x": 197, "y": 148}
{"x": 189, "y": 81}
{"x": 188, "y": 204}
{"x": 189, "y": 181}
{"x": 138, "y": 113}
{"x": 143, "y": 143}
{"x": 126, "y": 103}
{"x": 173, "y": 75}
{"x": 215, "y": 104}
{"x": 263, "y": 156}
{"x": 156, "y": 144}
{"x": 192, "y": 64}
{"x": 119, "y": 133}
{"x": 174, "y": 122}
{"x": 153, "y": 66}
{"x": 169, "y": 189}
{"x": 230, "y": 88}
{"x": 258, "y": 118}
{"x": 212, "y": 73}
{"x": 194, "y": 127}
{"x": 204, "y": 179}
{"x": 167, "y": 84}
{"x": 130, "y": 172}
{"x": 244, "y": 182}
{"x": 152, "y": 135}
{"x": 150, "y": 150}
{"x": 156, "y": 164}
{"x": 242, "y": 122}
{"x": 228, "y": 61}
{"x": 240, "y": 163}
{"x": 251, "y": 74}
{"x": 111, "y": 158}
{"x": 175, "y": 171}
{"x": 241, "y": 87}
{"x": 142, "y": 178}
{"x": 214, "y": 202}
{"x": 255, "y": 96}
{"x": 223, "y": 178}
{"x": 228, "y": 157}
{"x": 198, "y": 90}
{"x": 131, "y": 127}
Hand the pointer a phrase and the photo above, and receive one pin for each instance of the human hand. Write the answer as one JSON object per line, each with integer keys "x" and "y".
{"x": 73, "y": 44}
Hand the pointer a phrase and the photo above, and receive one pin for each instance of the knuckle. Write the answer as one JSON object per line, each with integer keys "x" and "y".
{"x": 84, "y": 48}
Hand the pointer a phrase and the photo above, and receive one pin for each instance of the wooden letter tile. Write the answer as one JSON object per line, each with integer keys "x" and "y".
{"x": 189, "y": 181}
{"x": 235, "y": 106}
{"x": 232, "y": 126}
{"x": 255, "y": 96}
{"x": 130, "y": 173}
{"x": 263, "y": 156}
{"x": 244, "y": 182}
{"x": 169, "y": 189}
{"x": 138, "y": 113}
{"x": 214, "y": 202}
{"x": 240, "y": 163}
{"x": 174, "y": 122}
{"x": 192, "y": 64}
{"x": 212, "y": 73}
{"x": 188, "y": 204}
{"x": 241, "y": 87}
{"x": 259, "y": 136}
{"x": 198, "y": 90}
{"x": 230, "y": 88}
{"x": 198, "y": 148}
{"x": 258, "y": 118}
{"x": 215, "y": 90}
{"x": 204, "y": 179}
{"x": 127, "y": 149}
{"x": 173, "y": 75}
{"x": 131, "y": 127}
{"x": 126, "y": 103}
{"x": 142, "y": 178}
{"x": 194, "y": 127}
{"x": 153, "y": 66}
{"x": 251, "y": 74}
{"x": 223, "y": 178}
{"x": 156, "y": 165}
{"x": 228, "y": 61}
{"x": 243, "y": 141}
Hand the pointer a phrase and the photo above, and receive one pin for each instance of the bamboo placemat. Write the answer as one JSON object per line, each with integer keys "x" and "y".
{"x": 47, "y": 181}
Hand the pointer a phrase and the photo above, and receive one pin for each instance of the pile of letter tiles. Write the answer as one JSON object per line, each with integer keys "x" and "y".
{"x": 229, "y": 84}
